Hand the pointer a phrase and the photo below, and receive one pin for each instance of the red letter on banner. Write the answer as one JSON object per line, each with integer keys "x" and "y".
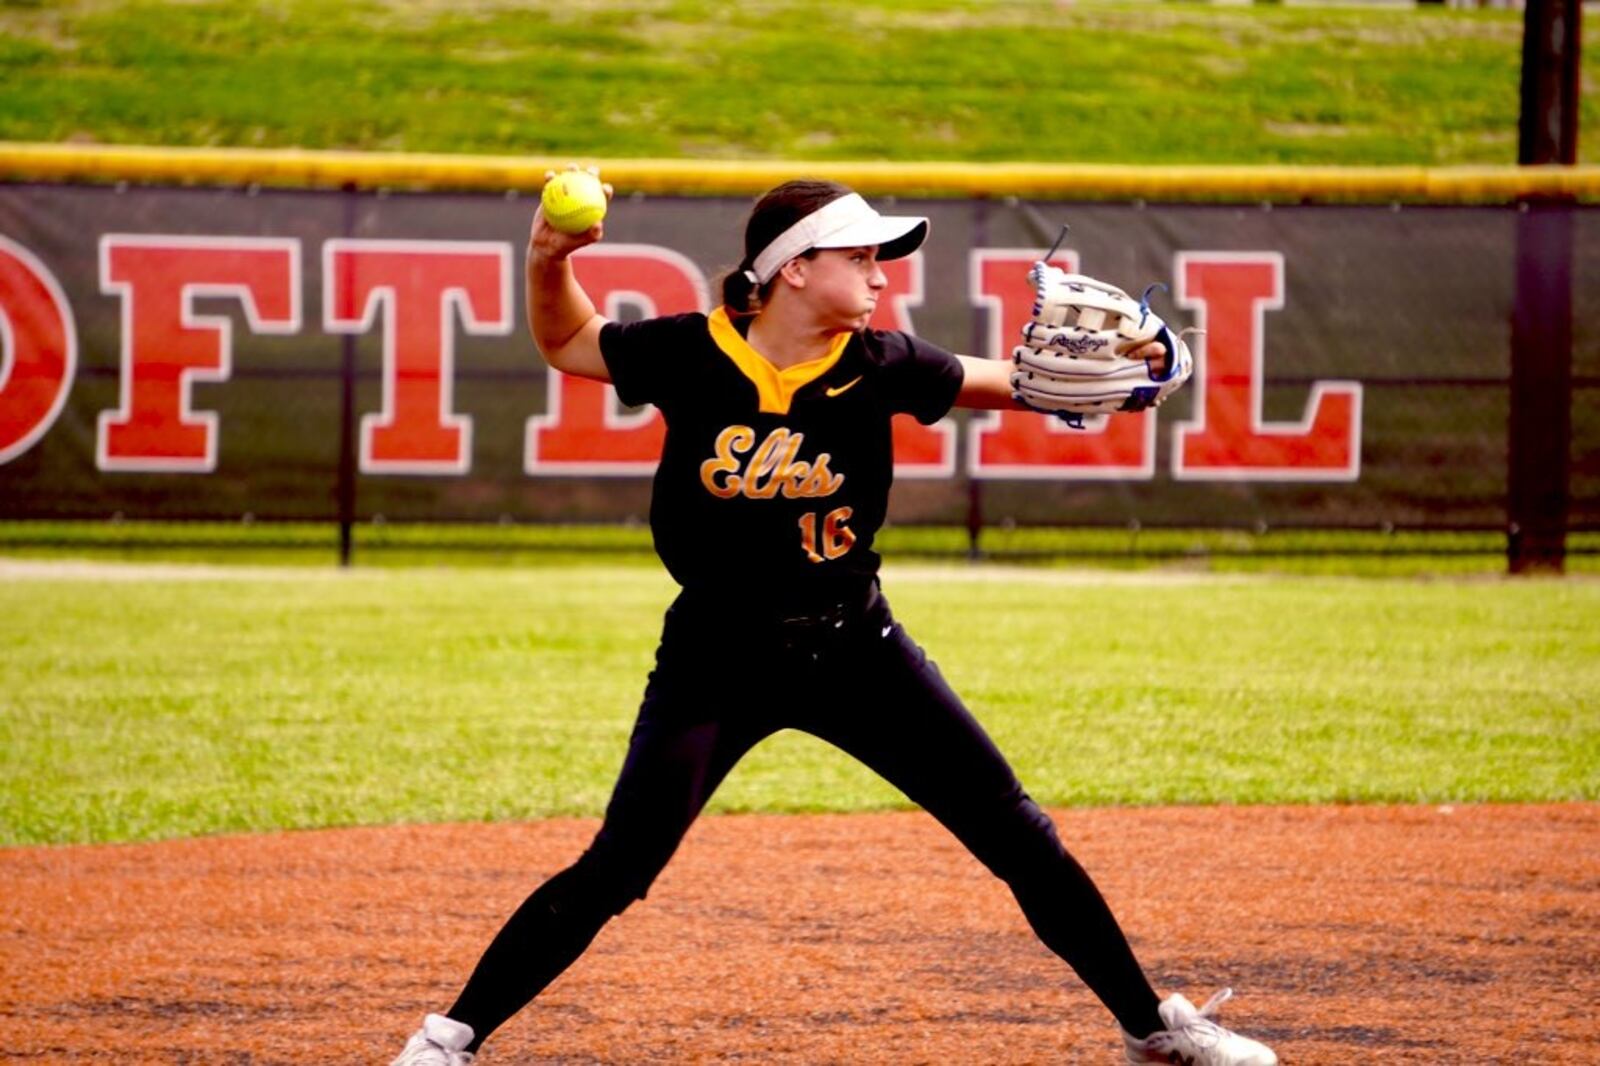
{"x": 583, "y": 432}
{"x": 166, "y": 346}
{"x": 418, "y": 284}
{"x": 919, "y": 450}
{"x": 1230, "y": 293}
{"x": 1023, "y": 444}
{"x": 38, "y": 349}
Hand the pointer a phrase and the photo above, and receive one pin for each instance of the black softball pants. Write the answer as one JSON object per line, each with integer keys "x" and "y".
{"x": 852, "y": 677}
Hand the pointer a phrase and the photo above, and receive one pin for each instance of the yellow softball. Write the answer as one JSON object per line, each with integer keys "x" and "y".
{"x": 573, "y": 201}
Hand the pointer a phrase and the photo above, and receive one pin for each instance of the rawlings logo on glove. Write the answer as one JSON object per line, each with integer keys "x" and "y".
{"x": 1073, "y": 360}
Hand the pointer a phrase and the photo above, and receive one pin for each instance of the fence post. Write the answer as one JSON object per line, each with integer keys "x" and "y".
{"x": 1540, "y": 427}
{"x": 346, "y": 488}
{"x": 1547, "y": 129}
{"x": 1540, "y": 445}
{"x": 967, "y": 440}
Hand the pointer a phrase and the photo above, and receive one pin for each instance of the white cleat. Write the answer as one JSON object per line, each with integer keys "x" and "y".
{"x": 440, "y": 1042}
{"x": 1192, "y": 1038}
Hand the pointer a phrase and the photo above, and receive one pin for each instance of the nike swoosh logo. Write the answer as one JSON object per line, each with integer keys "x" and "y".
{"x": 842, "y": 388}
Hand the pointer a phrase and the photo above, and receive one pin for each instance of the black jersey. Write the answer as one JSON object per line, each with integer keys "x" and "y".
{"x": 773, "y": 483}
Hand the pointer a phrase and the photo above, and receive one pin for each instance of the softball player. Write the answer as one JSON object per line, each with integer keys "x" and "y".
{"x": 772, "y": 485}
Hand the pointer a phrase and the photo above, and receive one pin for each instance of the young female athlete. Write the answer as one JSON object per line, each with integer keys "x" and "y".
{"x": 772, "y": 484}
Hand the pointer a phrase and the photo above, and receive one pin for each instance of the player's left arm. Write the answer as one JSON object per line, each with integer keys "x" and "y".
{"x": 986, "y": 383}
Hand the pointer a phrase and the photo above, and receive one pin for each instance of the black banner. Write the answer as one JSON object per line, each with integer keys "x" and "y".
{"x": 177, "y": 353}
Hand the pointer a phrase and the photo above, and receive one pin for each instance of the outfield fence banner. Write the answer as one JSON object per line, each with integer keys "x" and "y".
{"x": 178, "y": 353}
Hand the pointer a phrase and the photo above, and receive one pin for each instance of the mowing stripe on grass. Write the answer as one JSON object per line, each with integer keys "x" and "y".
{"x": 167, "y": 704}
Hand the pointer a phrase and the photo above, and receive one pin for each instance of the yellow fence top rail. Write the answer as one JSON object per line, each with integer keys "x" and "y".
{"x": 1046, "y": 181}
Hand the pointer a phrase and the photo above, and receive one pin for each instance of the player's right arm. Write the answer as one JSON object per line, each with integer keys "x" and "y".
{"x": 561, "y": 316}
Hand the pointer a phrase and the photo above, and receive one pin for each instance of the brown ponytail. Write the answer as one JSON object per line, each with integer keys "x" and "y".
{"x": 739, "y": 293}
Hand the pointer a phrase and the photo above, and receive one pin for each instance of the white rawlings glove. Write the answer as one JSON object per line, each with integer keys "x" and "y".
{"x": 1070, "y": 363}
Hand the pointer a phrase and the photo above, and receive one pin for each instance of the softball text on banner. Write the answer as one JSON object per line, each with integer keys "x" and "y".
{"x": 421, "y": 296}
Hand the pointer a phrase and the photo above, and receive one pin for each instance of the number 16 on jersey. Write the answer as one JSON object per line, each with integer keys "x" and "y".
{"x": 837, "y": 537}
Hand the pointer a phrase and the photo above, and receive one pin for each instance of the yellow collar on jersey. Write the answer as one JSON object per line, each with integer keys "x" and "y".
{"x": 776, "y": 388}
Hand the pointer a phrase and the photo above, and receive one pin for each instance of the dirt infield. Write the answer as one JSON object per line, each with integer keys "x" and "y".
{"x": 1352, "y": 934}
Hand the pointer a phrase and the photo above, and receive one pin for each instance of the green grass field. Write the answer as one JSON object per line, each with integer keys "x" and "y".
{"x": 140, "y": 704}
{"x": 789, "y": 79}
{"x": 150, "y": 703}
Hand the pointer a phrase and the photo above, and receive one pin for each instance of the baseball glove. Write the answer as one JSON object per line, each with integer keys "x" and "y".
{"x": 1071, "y": 361}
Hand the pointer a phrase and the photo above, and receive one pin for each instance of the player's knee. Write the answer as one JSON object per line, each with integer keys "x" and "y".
{"x": 1020, "y": 846}
{"x": 604, "y": 881}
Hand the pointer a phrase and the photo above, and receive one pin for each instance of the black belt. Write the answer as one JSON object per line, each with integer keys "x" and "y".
{"x": 823, "y": 615}
{"x": 817, "y": 635}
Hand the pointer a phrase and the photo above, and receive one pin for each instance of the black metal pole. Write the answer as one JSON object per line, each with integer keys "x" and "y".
{"x": 980, "y": 239}
{"x": 347, "y": 412}
{"x": 1540, "y": 446}
{"x": 1540, "y": 424}
{"x": 1548, "y": 126}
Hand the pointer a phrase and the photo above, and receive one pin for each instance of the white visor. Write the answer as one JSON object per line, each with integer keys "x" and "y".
{"x": 848, "y": 222}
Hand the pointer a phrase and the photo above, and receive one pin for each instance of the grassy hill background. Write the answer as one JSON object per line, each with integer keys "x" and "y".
{"x": 1123, "y": 82}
